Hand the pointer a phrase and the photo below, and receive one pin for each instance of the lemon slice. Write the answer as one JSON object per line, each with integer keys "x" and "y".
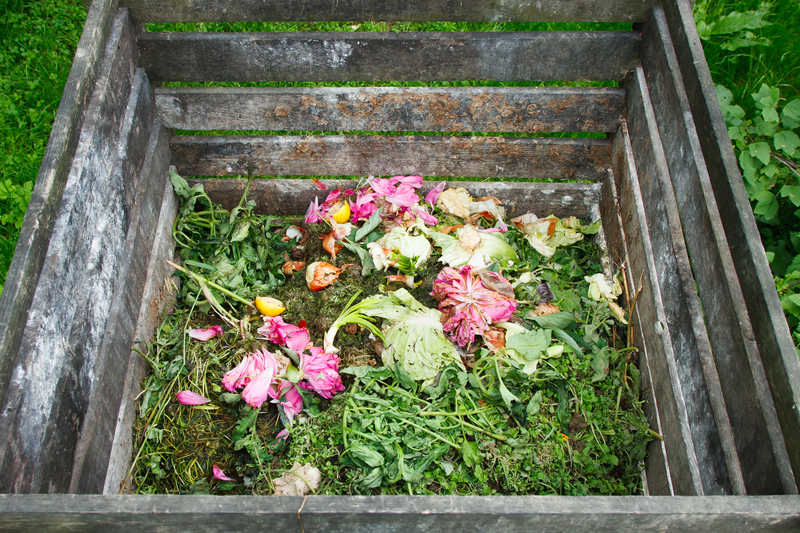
{"x": 340, "y": 212}
{"x": 269, "y": 306}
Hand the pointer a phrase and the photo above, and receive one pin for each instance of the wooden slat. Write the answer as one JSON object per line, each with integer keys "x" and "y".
{"x": 157, "y": 294}
{"x": 756, "y": 431}
{"x": 576, "y": 159}
{"x": 389, "y": 10}
{"x": 125, "y": 292}
{"x": 395, "y": 514}
{"x": 462, "y": 109}
{"x": 696, "y": 373}
{"x": 763, "y": 305}
{"x": 657, "y": 475}
{"x": 338, "y": 56}
{"x": 23, "y": 273}
{"x": 47, "y": 397}
{"x": 291, "y": 196}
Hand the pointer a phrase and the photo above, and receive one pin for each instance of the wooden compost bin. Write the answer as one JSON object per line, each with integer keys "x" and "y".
{"x": 720, "y": 373}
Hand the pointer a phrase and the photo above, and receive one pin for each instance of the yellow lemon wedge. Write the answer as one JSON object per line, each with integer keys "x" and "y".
{"x": 269, "y": 306}
{"x": 340, "y": 212}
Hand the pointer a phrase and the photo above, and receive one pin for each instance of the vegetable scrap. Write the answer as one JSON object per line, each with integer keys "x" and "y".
{"x": 431, "y": 346}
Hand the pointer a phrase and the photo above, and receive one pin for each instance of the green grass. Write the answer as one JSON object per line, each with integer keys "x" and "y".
{"x": 37, "y": 43}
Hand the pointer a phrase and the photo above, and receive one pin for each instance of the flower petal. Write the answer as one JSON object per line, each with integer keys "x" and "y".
{"x": 220, "y": 475}
{"x": 191, "y": 398}
{"x": 205, "y": 334}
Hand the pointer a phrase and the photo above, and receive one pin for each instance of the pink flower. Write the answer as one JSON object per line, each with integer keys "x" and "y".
{"x": 191, "y": 398}
{"x": 467, "y": 306}
{"x": 403, "y": 196}
{"x": 220, "y": 475}
{"x": 312, "y": 213}
{"x": 425, "y": 216}
{"x": 255, "y": 373}
{"x": 364, "y": 206}
{"x": 382, "y": 186}
{"x": 289, "y": 398}
{"x": 206, "y": 334}
{"x": 321, "y": 372}
{"x": 434, "y": 193}
{"x": 282, "y": 435}
{"x": 414, "y": 181}
{"x": 279, "y": 332}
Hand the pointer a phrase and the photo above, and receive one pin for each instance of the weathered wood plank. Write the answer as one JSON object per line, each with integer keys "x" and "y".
{"x": 657, "y": 474}
{"x": 462, "y": 109}
{"x": 696, "y": 372}
{"x": 23, "y": 273}
{"x": 157, "y": 295}
{"x": 124, "y": 292}
{"x": 655, "y": 334}
{"x": 292, "y": 196}
{"x": 49, "y": 387}
{"x": 339, "y": 56}
{"x": 763, "y": 305}
{"x": 756, "y": 431}
{"x": 576, "y": 159}
{"x": 406, "y": 514}
{"x": 392, "y": 10}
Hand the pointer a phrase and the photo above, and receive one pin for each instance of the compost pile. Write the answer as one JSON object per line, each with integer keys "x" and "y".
{"x": 386, "y": 343}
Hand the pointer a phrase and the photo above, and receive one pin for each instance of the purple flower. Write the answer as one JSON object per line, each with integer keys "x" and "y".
{"x": 186, "y": 397}
{"x": 220, "y": 475}
{"x": 321, "y": 372}
{"x": 205, "y": 334}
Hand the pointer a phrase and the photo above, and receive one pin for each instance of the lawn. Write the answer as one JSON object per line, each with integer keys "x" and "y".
{"x": 748, "y": 43}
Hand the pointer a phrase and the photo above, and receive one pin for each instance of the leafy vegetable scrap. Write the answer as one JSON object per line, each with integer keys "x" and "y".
{"x": 429, "y": 348}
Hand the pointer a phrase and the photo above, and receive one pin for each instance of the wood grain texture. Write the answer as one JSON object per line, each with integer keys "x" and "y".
{"x": 49, "y": 388}
{"x": 697, "y": 374}
{"x": 771, "y": 332}
{"x": 389, "y": 10}
{"x": 338, "y": 56}
{"x": 503, "y": 157}
{"x": 399, "y": 514}
{"x": 23, "y": 273}
{"x": 292, "y": 196}
{"x": 657, "y": 475}
{"x": 458, "y": 109}
{"x": 756, "y": 431}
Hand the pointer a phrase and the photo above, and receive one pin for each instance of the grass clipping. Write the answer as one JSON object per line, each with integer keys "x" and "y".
{"x": 487, "y": 375}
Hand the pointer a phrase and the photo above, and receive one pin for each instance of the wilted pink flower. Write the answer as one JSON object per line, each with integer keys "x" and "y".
{"x": 321, "y": 372}
{"x": 191, "y": 398}
{"x": 434, "y": 193}
{"x": 364, "y": 206}
{"x": 468, "y": 307}
{"x": 425, "y": 216}
{"x": 282, "y": 435}
{"x": 220, "y": 475}
{"x": 279, "y": 332}
{"x": 318, "y": 212}
{"x": 403, "y": 196}
{"x": 382, "y": 186}
{"x": 205, "y": 334}
{"x": 289, "y": 398}
{"x": 312, "y": 213}
{"x": 414, "y": 181}
{"x": 255, "y": 373}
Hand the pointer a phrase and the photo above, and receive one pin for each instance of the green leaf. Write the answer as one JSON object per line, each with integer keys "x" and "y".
{"x": 179, "y": 185}
{"x": 365, "y": 454}
{"x": 373, "y": 479}
{"x": 567, "y": 339}
{"x": 788, "y": 141}
{"x": 749, "y": 167}
{"x": 560, "y": 320}
{"x": 535, "y": 403}
{"x": 373, "y": 222}
{"x": 761, "y": 151}
{"x": 792, "y": 192}
{"x": 791, "y": 114}
{"x": 767, "y": 205}
{"x": 404, "y": 378}
{"x": 724, "y": 95}
{"x": 530, "y": 344}
{"x": 470, "y": 453}
{"x": 240, "y": 231}
{"x": 600, "y": 364}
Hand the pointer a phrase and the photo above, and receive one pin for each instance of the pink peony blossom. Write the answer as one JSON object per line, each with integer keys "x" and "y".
{"x": 313, "y": 212}
{"x": 317, "y": 212}
{"x": 382, "y": 187}
{"x": 279, "y": 332}
{"x": 321, "y": 372}
{"x": 289, "y": 398}
{"x": 205, "y": 334}
{"x": 364, "y": 206}
{"x": 425, "y": 216}
{"x": 468, "y": 307}
{"x": 191, "y": 398}
{"x": 403, "y": 196}
{"x": 255, "y": 373}
{"x": 434, "y": 193}
{"x": 220, "y": 475}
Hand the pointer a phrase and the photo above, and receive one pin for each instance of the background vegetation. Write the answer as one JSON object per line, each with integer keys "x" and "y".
{"x": 752, "y": 48}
